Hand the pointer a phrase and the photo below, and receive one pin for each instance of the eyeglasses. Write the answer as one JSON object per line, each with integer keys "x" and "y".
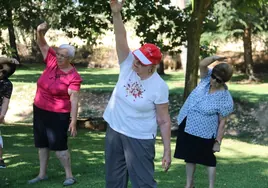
{"x": 61, "y": 55}
{"x": 217, "y": 79}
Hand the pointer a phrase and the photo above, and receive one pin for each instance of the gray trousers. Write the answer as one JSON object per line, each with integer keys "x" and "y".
{"x": 128, "y": 157}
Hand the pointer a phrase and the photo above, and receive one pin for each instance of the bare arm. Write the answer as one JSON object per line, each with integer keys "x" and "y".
{"x": 163, "y": 120}
{"x": 4, "y": 60}
{"x": 221, "y": 129}
{"x": 220, "y": 134}
{"x": 74, "y": 95}
{"x": 119, "y": 30}
{"x": 41, "y": 41}
{"x": 4, "y": 109}
{"x": 203, "y": 65}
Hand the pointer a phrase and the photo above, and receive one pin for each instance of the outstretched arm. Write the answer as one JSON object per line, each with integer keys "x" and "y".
{"x": 221, "y": 129}
{"x": 4, "y": 60}
{"x": 119, "y": 30}
{"x": 163, "y": 120}
{"x": 203, "y": 65}
{"x": 41, "y": 41}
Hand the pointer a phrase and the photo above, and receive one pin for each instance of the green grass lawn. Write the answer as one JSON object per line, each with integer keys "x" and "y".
{"x": 104, "y": 80}
{"x": 239, "y": 164}
{"x": 100, "y": 82}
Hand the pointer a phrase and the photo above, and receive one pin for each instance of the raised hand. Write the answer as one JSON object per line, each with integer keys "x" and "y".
{"x": 43, "y": 27}
{"x": 116, "y": 5}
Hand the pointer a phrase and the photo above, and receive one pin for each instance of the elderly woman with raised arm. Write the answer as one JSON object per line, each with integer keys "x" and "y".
{"x": 202, "y": 119}
{"x": 55, "y": 105}
{"x": 138, "y": 105}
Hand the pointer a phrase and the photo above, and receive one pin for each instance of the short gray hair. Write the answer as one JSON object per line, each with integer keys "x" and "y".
{"x": 70, "y": 48}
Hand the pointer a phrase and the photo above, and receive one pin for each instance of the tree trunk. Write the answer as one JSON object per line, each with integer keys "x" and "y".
{"x": 194, "y": 30}
{"x": 183, "y": 57}
{"x": 248, "y": 53}
{"x": 33, "y": 43}
{"x": 12, "y": 38}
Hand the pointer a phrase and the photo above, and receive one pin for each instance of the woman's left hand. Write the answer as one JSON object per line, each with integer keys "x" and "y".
{"x": 216, "y": 147}
{"x": 72, "y": 129}
{"x": 166, "y": 161}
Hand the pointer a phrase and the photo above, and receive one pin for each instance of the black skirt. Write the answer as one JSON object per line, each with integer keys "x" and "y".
{"x": 194, "y": 149}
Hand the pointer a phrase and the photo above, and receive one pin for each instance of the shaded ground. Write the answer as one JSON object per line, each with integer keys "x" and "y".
{"x": 249, "y": 122}
{"x": 240, "y": 164}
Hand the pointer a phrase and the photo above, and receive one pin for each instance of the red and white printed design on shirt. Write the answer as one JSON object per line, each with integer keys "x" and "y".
{"x": 134, "y": 89}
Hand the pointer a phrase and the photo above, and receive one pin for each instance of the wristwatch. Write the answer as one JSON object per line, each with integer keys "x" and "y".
{"x": 218, "y": 141}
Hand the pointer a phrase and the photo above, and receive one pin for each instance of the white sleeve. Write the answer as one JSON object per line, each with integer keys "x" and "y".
{"x": 126, "y": 65}
{"x": 162, "y": 94}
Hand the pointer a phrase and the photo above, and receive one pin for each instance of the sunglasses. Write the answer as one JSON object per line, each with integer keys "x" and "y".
{"x": 217, "y": 79}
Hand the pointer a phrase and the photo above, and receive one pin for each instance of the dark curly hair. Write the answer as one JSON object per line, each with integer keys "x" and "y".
{"x": 12, "y": 69}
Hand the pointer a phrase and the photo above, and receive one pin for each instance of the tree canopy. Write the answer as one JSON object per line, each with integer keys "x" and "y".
{"x": 242, "y": 18}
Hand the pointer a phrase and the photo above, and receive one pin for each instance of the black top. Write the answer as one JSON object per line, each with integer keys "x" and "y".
{"x": 6, "y": 88}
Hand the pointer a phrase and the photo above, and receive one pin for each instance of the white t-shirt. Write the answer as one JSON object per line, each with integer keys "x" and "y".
{"x": 131, "y": 110}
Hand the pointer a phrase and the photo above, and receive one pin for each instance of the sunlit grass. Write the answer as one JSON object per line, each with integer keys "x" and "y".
{"x": 250, "y": 92}
{"x": 104, "y": 80}
{"x": 240, "y": 164}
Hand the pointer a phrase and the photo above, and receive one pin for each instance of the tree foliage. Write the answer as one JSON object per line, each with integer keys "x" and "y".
{"x": 235, "y": 15}
{"x": 159, "y": 22}
{"x": 242, "y": 18}
{"x": 88, "y": 19}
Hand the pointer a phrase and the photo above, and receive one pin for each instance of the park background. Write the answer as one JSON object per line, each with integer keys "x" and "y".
{"x": 243, "y": 161}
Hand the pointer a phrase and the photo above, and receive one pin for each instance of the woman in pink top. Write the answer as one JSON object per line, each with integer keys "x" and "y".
{"x": 56, "y": 101}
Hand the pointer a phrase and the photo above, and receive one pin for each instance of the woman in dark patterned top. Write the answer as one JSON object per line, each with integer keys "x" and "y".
{"x": 202, "y": 119}
{"x": 7, "y": 68}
